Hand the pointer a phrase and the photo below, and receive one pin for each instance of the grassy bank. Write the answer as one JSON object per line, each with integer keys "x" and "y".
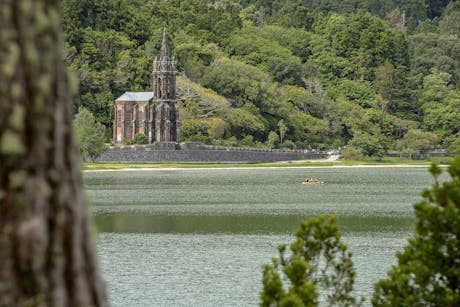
{"x": 398, "y": 161}
{"x": 300, "y": 163}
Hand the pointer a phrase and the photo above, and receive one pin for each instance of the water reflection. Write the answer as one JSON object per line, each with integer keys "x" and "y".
{"x": 239, "y": 224}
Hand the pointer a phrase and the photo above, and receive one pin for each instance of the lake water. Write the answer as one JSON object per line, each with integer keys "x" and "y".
{"x": 193, "y": 237}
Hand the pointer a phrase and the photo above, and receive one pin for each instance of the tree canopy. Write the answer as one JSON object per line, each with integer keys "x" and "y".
{"x": 332, "y": 70}
{"x": 89, "y": 134}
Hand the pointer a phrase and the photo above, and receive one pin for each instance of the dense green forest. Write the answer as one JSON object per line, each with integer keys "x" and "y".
{"x": 369, "y": 75}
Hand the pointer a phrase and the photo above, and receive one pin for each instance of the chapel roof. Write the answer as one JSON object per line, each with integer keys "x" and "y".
{"x": 135, "y": 96}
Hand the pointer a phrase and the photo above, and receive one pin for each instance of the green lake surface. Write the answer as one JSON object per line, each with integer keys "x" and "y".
{"x": 199, "y": 237}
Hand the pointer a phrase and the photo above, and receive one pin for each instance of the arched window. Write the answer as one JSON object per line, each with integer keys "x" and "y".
{"x": 119, "y": 118}
{"x": 159, "y": 87}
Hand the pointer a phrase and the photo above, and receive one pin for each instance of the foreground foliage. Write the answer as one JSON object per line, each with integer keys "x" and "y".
{"x": 428, "y": 269}
{"x": 427, "y": 273}
{"x": 319, "y": 262}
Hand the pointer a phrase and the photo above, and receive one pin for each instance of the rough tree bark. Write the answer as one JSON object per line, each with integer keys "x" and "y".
{"x": 46, "y": 252}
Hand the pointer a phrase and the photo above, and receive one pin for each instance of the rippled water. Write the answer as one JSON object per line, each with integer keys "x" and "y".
{"x": 199, "y": 237}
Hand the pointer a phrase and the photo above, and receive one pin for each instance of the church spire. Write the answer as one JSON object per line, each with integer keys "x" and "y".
{"x": 166, "y": 126}
{"x": 164, "y": 54}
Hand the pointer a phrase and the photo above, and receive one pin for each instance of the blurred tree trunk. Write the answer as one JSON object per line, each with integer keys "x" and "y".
{"x": 46, "y": 250}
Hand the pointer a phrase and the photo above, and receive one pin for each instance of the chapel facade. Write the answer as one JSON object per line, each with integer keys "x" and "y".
{"x": 154, "y": 114}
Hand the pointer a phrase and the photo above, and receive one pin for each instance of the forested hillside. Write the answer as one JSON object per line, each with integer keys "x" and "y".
{"x": 368, "y": 75}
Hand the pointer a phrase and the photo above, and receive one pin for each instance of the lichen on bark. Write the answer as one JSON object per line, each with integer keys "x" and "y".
{"x": 10, "y": 143}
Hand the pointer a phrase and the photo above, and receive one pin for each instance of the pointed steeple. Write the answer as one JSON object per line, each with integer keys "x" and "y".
{"x": 166, "y": 125}
{"x": 164, "y": 55}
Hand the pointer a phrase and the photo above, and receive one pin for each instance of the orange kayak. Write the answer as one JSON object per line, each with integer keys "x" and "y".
{"x": 313, "y": 182}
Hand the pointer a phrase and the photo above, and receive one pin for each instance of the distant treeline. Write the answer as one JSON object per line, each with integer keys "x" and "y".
{"x": 366, "y": 75}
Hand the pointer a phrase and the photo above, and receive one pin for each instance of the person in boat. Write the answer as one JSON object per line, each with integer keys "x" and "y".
{"x": 312, "y": 180}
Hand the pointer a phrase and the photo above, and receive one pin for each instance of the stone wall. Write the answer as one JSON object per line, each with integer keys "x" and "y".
{"x": 195, "y": 152}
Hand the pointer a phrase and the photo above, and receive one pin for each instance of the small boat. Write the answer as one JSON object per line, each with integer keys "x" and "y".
{"x": 312, "y": 181}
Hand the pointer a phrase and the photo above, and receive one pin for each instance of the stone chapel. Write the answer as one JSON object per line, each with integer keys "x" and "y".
{"x": 155, "y": 113}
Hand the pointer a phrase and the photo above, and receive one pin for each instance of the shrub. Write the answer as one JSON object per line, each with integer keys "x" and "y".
{"x": 352, "y": 153}
{"x": 139, "y": 138}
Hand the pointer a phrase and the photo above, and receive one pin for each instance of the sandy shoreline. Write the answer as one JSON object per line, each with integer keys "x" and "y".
{"x": 153, "y": 169}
